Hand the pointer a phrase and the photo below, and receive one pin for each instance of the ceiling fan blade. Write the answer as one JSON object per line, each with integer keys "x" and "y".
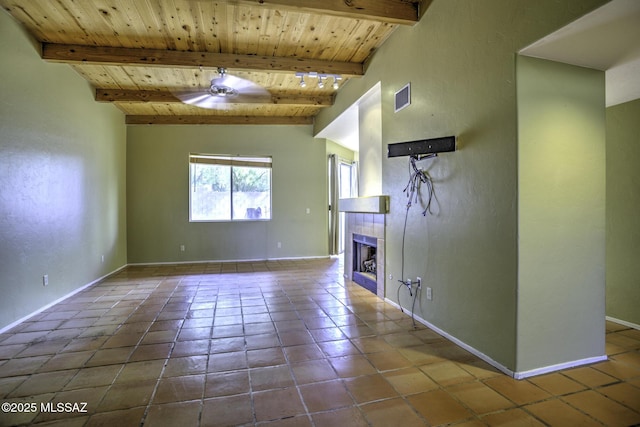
{"x": 204, "y": 99}
{"x": 243, "y": 86}
{"x": 224, "y": 90}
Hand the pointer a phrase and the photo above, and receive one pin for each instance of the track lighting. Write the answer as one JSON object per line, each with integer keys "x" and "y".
{"x": 322, "y": 79}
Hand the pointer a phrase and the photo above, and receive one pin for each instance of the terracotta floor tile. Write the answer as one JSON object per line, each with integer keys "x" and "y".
{"x": 159, "y": 336}
{"x": 351, "y": 417}
{"x": 126, "y": 417}
{"x": 23, "y": 366}
{"x": 227, "y": 383}
{"x": 480, "y": 398}
{"x": 438, "y": 407}
{"x": 255, "y": 342}
{"x": 372, "y": 345}
{"x": 352, "y": 366}
{"x": 151, "y": 352}
{"x": 174, "y": 414}
{"x": 123, "y": 340}
{"x": 557, "y": 413}
{"x": 447, "y": 373}
{"x": 390, "y": 412}
{"x": 617, "y": 369}
{"x": 326, "y": 396}
{"x": 127, "y": 395}
{"x": 179, "y": 389}
{"x": 226, "y": 361}
{"x": 191, "y": 334}
{"x": 388, "y": 360}
{"x": 140, "y": 371}
{"x": 606, "y": 410}
{"x": 43, "y": 383}
{"x": 64, "y": 361}
{"x": 512, "y": 418}
{"x": 623, "y": 393}
{"x": 403, "y": 340}
{"x": 270, "y": 378}
{"x": 312, "y": 371}
{"x": 295, "y": 337}
{"x": 297, "y": 421}
{"x": 190, "y": 348}
{"x": 319, "y": 323}
{"x": 520, "y": 392}
{"x": 557, "y": 384}
{"x": 422, "y": 354}
{"x": 630, "y": 358}
{"x": 46, "y": 348}
{"x": 369, "y": 388}
{"x": 338, "y": 348}
{"x": 94, "y": 377}
{"x": 265, "y": 357}
{"x": 480, "y": 369}
{"x": 226, "y": 345}
{"x": 277, "y": 404}
{"x": 589, "y": 376}
{"x": 7, "y": 385}
{"x": 410, "y": 381}
{"x": 302, "y": 353}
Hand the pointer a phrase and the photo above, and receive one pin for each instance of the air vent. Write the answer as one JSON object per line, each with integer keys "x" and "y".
{"x": 403, "y": 98}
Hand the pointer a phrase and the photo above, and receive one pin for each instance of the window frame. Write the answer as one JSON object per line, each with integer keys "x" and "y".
{"x": 231, "y": 161}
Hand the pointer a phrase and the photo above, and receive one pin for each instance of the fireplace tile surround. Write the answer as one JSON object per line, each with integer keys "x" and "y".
{"x": 367, "y": 224}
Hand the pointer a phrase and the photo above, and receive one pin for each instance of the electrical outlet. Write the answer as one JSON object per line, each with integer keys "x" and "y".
{"x": 182, "y": 248}
{"x": 279, "y": 245}
{"x": 419, "y": 280}
{"x": 102, "y": 259}
{"x": 429, "y": 294}
{"x": 45, "y": 280}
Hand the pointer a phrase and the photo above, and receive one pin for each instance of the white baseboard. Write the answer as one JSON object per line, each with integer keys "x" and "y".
{"x": 222, "y": 261}
{"x": 518, "y": 375}
{"x": 623, "y": 322}
{"x": 51, "y": 304}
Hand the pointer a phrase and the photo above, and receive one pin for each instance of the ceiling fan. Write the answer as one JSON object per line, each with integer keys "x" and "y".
{"x": 224, "y": 89}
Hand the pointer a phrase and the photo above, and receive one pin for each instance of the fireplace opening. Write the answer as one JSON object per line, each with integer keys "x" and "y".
{"x": 365, "y": 260}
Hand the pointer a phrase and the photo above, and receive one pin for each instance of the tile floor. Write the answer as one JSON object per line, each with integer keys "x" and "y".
{"x": 278, "y": 343}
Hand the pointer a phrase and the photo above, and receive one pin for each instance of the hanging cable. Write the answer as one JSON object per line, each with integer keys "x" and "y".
{"x": 412, "y": 190}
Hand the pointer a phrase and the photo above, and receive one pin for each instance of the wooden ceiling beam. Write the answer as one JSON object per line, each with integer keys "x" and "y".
{"x": 403, "y": 12}
{"x": 128, "y": 95}
{"x": 119, "y": 56}
{"x": 216, "y": 120}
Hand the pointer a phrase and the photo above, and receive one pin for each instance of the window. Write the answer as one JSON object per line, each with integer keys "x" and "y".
{"x": 225, "y": 188}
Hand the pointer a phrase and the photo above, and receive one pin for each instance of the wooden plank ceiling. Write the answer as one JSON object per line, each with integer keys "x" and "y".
{"x": 138, "y": 53}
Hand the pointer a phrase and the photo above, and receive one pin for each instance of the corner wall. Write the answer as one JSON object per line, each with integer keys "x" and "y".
{"x": 62, "y": 180}
{"x": 561, "y": 211}
{"x": 623, "y": 223}
{"x": 158, "y": 194}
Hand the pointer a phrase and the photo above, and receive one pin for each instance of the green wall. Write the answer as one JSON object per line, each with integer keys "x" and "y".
{"x": 623, "y": 221}
{"x": 460, "y": 60}
{"x": 158, "y": 194}
{"x": 62, "y": 180}
{"x": 561, "y": 205}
